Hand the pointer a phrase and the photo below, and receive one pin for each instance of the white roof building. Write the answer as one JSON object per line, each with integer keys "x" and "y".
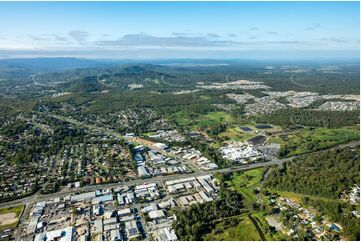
{"x": 124, "y": 212}
{"x": 156, "y": 214}
{"x": 65, "y": 234}
{"x": 83, "y": 197}
{"x": 142, "y": 172}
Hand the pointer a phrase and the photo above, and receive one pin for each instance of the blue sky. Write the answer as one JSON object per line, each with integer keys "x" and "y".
{"x": 180, "y": 29}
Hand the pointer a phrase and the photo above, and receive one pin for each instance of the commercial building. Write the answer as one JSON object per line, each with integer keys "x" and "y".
{"x": 142, "y": 172}
{"x": 82, "y": 197}
{"x": 65, "y": 234}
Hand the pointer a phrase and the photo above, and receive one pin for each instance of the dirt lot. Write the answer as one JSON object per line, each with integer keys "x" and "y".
{"x": 8, "y": 218}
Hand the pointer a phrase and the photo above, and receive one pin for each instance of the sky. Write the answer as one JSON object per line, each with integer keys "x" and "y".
{"x": 153, "y": 30}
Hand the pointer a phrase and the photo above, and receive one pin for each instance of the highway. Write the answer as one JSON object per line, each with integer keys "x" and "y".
{"x": 37, "y": 197}
{"x": 160, "y": 179}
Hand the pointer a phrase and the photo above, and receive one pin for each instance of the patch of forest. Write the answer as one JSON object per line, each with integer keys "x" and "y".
{"x": 327, "y": 119}
{"x": 197, "y": 220}
{"x": 326, "y": 174}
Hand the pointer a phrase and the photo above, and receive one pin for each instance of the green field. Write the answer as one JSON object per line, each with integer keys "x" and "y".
{"x": 297, "y": 197}
{"x": 226, "y": 230}
{"x": 263, "y": 224}
{"x": 235, "y": 134}
{"x": 5, "y": 212}
{"x": 245, "y": 183}
{"x": 309, "y": 140}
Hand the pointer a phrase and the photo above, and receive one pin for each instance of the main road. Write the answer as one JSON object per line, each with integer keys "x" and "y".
{"x": 160, "y": 179}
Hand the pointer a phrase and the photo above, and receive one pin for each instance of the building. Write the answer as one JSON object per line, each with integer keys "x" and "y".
{"x": 82, "y": 197}
{"x": 156, "y": 214}
{"x": 97, "y": 227}
{"x": 102, "y": 199}
{"x": 124, "y": 212}
{"x": 142, "y": 172}
{"x": 115, "y": 235}
{"x": 166, "y": 234}
{"x": 131, "y": 230}
{"x": 138, "y": 157}
{"x": 33, "y": 224}
{"x": 65, "y": 234}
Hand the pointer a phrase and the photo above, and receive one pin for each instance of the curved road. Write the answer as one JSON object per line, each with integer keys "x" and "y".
{"x": 296, "y": 83}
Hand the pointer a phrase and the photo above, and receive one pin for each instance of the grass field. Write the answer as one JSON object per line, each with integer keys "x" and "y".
{"x": 224, "y": 230}
{"x": 9, "y": 216}
{"x": 275, "y": 236}
{"x": 235, "y": 134}
{"x": 309, "y": 140}
{"x": 297, "y": 197}
{"x": 246, "y": 182}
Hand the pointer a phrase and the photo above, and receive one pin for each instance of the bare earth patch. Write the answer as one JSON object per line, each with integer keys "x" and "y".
{"x": 8, "y": 218}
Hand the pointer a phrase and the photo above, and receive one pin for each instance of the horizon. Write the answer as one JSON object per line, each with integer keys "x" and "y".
{"x": 180, "y": 30}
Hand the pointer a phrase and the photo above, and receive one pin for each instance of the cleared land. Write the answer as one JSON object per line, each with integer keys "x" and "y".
{"x": 9, "y": 217}
{"x": 233, "y": 229}
{"x": 313, "y": 139}
{"x": 246, "y": 182}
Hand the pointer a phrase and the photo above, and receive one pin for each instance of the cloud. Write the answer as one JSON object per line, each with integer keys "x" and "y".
{"x": 185, "y": 34}
{"x": 213, "y": 35}
{"x": 314, "y": 27}
{"x": 60, "y": 38}
{"x": 286, "y": 42}
{"x": 232, "y": 35}
{"x": 254, "y": 29}
{"x": 85, "y": 52}
{"x": 81, "y": 43}
{"x": 335, "y": 40}
{"x": 79, "y": 36}
{"x": 272, "y": 33}
{"x": 38, "y": 38}
{"x": 145, "y": 40}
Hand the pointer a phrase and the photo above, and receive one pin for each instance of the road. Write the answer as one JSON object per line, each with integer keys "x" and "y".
{"x": 296, "y": 83}
{"x": 28, "y": 201}
{"x": 160, "y": 179}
